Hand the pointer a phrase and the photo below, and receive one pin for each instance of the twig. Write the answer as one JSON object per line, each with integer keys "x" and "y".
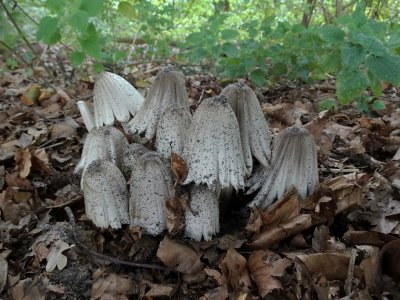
{"x": 133, "y": 45}
{"x": 105, "y": 257}
{"x": 25, "y": 13}
{"x": 350, "y": 273}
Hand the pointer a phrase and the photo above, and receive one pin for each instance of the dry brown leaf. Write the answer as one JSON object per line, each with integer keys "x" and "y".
{"x": 178, "y": 256}
{"x": 175, "y": 214}
{"x": 179, "y": 168}
{"x": 333, "y": 266}
{"x": 264, "y": 266}
{"x": 23, "y": 162}
{"x": 234, "y": 268}
{"x": 40, "y": 160}
{"x": 255, "y": 222}
{"x": 219, "y": 293}
{"x": 370, "y": 265}
{"x": 28, "y": 289}
{"x": 390, "y": 258}
{"x": 32, "y": 95}
{"x": 112, "y": 286}
{"x": 62, "y": 131}
{"x": 216, "y": 275}
{"x": 159, "y": 290}
{"x": 371, "y": 238}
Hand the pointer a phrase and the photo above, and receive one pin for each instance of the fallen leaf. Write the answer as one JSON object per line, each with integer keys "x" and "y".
{"x": 62, "y": 131}
{"x": 219, "y": 293}
{"x": 233, "y": 267}
{"x": 390, "y": 257}
{"x": 175, "y": 214}
{"x": 263, "y": 273}
{"x": 3, "y": 272}
{"x": 55, "y": 258}
{"x": 159, "y": 290}
{"x": 32, "y": 95}
{"x": 178, "y": 256}
{"x": 179, "y": 168}
{"x": 112, "y": 286}
{"x": 23, "y": 162}
{"x": 333, "y": 266}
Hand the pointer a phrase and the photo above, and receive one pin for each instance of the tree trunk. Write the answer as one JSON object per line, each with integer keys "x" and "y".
{"x": 308, "y": 11}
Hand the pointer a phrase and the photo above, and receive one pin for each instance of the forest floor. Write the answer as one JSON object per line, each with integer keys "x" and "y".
{"x": 341, "y": 241}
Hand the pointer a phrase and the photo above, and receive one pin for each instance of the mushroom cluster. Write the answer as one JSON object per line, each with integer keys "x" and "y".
{"x": 129, "y": 183}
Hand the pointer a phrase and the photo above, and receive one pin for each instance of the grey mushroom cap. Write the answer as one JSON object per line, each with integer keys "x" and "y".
{"x": 114, "y": 98}
{"x": 213, "y": 150}
{"x": 106, "y": 194}
{"x": 131, "y": 155}
{"x": 294, "y": 163}
{"x": 172, "y": 131}
{"x": 106, "y": 143}
{"x": 202, "y": 217}
{"x": 168, "y": 89}
{"x": 150, "y": 187}
{"x": 254, "y": 131}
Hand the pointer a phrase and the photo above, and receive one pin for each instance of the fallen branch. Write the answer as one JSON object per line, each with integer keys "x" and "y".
{"x": 105, "y": 257}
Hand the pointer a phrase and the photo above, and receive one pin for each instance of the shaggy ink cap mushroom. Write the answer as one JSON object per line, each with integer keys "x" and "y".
{"x": 86, "y": 115}
{"x": 114, "y": 98}
{"x": 150, "y": 187}
{"x": 172, "y": 131}
{"x": 131, "y": 154}
{"x": 102, "y": 143}
{"x": 202, "y": 217}
{"x": 213, "y": 151}
{"x": 294, "y": 163}
{"x": 254, "y": 131}
{"x": 106, "y": 194}
{"x": 168, "y": 89}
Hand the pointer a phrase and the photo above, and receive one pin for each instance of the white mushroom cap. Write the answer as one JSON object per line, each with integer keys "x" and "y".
{"x": 131, "y": 155}
{"x": 114, "y": 97}
{"x": 172, "y": 130}
{"x": 168, "y": 89}
{"x": 106, "y": 194}
{"x": 86, "y": 115}
{"x": 254, "y": 131}
{"x": 150, "y": 187}
{"x": 213, "y": 151}
{"x": 102, "y": 143}
{"x": 294, "y": 163}
{"x": 202, "y": 217}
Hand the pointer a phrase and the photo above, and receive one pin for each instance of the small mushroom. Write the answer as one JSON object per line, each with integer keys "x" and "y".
{"x": 168, "y": 89}
{"x": 202, "y": 217}
{"x": 114, "y": 97}
{"x": 294, "y": 163}
{"x": 213, "y": 150}
{"x": 86, "y": 115}
{"x": 102, "y": 143}
{"x": 254, "y": 132}
{"x": 172, "y": 130}
{"x": 150, "y": 187}
{"x": 106, "y": 194}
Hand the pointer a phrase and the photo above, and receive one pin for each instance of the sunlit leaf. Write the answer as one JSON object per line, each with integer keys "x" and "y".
{"x": 49, "y": 31}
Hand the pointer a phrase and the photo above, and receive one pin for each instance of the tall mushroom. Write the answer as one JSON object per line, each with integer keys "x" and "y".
{"x": 202, "y": 217}
{"x": 294, "y": 163}
{"x": 114, "y": 98}
{"x": 172, "y": 130}
{"x": 254, "y": 132}
{"x": 106, "y": 194}
{"x": 102, "y": 143}
{"x": 150, "y": 187}
{"x": 168, "y": 89}
{"x": 213, "y": 149}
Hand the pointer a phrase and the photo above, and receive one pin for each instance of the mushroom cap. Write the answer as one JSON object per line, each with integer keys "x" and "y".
{"x": 202, "y": 218}
{"x": 213, "y": 150}
{"x": 254, "y": 131}
{"x": 172, "y": 130}
{"x": 106, "y": 194}
{"x": 114, "y": 97}
{"x": 102, "y": 143}
{"x": 168, "y": 89}
{"x": 131, "y": 154}
{"x": 150, "y": 187}
{"x": 294, "y": 163}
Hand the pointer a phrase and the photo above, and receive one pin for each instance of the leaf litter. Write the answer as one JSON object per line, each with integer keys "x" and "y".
{"x": 342, "y": 240}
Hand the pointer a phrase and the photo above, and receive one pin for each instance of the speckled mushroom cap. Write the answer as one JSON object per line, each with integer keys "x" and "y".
{"x": 168, "y": 89}
{"x": 294, "y": 163}
{"x": 114, "y": 97}
{"x": 213, "y": 149}
{"x": 131, "y": 154}
{"x": 254, "y": 131}
{"x": 102, "y": 143}
{"x": 202, "y": 217}
{"x": 172, "y": 131}
{"x": 150, "y": 187}
{"x": 106, "y": 194}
